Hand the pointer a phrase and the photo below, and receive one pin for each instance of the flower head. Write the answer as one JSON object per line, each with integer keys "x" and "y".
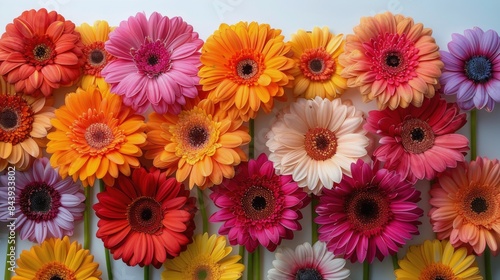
{"x": 40, "y": 51}
{"x": 466, "y": 205}
{"x": 316, "y": 141}
{"x": 206, "y": 258}
{"x": 245, "y": 67}
{"x": 419, "y": 142}
{"x": 317, "y": 70}
{"x": 472, "y": 69}
{"x": 156, "y": 63}
{"x": 258, "y": 206}
{"x": 146, "y": 218}
{"x": 369, "y": 214}
{"x": 393, "y": 60}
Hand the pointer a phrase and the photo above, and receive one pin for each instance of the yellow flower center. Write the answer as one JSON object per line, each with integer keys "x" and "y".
{"x": 55, "y": 271}
{"x": 437, "y": 271}
{"x": 203, "y": 268}
{"x": 479, "y": 205}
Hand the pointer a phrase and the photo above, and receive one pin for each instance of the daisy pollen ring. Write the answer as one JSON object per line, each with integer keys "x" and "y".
{"x": 417, "y": 135}
{"x": 479, "y": 69}
{"x": 320, "y": 143}
{"x": 258, "y": 202}
{"x": 40, "y": 202}
{"x": 98, "y": 135}
{"x": 145, "y": 214}
{"x": 55, "y": 271}
{"x": 16, "y": 119}
{"x": 368, "y": 210}
{"x": 39, "y": 51}
{"x": 248, "y": 68}
{"x": 152, "y": 58}
{"x": 96, "y": 58}
{"x": 317, "y": 64}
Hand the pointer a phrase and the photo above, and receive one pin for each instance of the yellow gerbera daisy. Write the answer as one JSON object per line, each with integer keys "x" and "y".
{"x": 96, "y": 57}
{"x": 95, "y": 137}
{"x": 245, "y": 66}
{"x": 205, "y": 258}
{"x": 437, "y": 260}
{"x": 57, "y": 259}
{"x": 317, "y": 70}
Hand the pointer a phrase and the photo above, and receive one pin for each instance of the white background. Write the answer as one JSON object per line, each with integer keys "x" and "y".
{"x": 444, "y": 17}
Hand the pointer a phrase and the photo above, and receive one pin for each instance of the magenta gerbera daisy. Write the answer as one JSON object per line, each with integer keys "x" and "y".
{"x": 258, "y": 206}
{"x": 45, "y": 205}
{"x": 369, "y": 214}
{"x": 419, "y": 142}
{"x": 156, "y": 62}
{"x": 472, "y": 69}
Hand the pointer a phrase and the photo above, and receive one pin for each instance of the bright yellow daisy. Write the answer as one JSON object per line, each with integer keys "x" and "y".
{"x": 205, "y": 258}
{"x": 57, "y": 259}
{"x": 317, "y": 70}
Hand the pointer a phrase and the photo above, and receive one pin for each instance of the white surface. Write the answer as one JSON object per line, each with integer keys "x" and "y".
{"x": 444, "y": 17}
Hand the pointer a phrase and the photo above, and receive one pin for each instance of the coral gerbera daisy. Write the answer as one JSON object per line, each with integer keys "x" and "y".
{"x": 317, "y": 70}
{"x": 57, "y": 259}
{"x": 96, "y": 137}
{"x": 200, "y": 143}
{"x": 39, "y": 52}
{"x": 46, "y": 205}
{"x": 94, "y": 53}
{"x": 437, "y": 260}
{"x": 419, "y": 142}
{"x": 156, "y": 63}
{"x": 146, "y": 218}
{"x": 466, "y": 205}
{"x": 316, "y": 141}
{"x": 308, "y": 262}
{"x": 258, "y": 206}
{"x": 472, "y": 69}
{"x": 369, "y": 214}
{"x": 206, "y": 258}
{"x": 245, "y": 67}
{"x": 24, "y": 123}
{"x": 393, "y": 60}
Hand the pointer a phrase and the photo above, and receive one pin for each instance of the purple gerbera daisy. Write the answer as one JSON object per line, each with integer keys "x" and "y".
{"x": 45, "y": 205}
{"x": 156, "y": 62}
{"x": 472, "y": 69}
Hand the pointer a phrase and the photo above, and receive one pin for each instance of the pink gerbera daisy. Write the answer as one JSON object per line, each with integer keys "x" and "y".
{"x": 371, "y": 214}
{"x": 258, "y": 206}
{"x": 419, "y": 142}
{"x": 156, "y": 62}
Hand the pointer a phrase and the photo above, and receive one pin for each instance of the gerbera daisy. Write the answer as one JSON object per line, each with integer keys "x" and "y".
{"x": 466, "y": 205}
{"x": 24, "y": 123}
{"x": 46, "y": 205}
{"x": 156, "y": 63}
{"x": 206, "y": 258}
{"x": 370, "y": 214}
{"x": 437, "y": 260}
{"x": 316, "y": 141}
{"x": 39, "y": 52}
{"x": 94, "y": 53}
{"x": 96, "y": 137}
{"x": 245, "y": 67}
{"x": 317, "y": 70}
{"x": 472, "y": 69}
{"x": 57, "y": 259}
{"x": 200, "y": 143}
{"x": 258, "y": 206}
{"x": 419, "y": 142}
{"x": 146, "y": 218}
{"x": 307, "y": 262}
{"x": 393, "y": 60}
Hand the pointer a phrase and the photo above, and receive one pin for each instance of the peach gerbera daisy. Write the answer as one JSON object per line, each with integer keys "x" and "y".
{"x": 96, "y": 137}
{"x": 245, "y": 66}
{"x": 393, "y": 60}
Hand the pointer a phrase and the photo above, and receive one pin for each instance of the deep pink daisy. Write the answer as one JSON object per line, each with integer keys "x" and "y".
{"x": 472, "y": 69}
{"x": 419, "y": 142}
{"x": 258, "y": 206}
{"x": 371, "y": 214}
{"x": 156, "y": 62}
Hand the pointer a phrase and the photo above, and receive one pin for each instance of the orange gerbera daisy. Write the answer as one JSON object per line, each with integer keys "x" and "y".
{"x": 317, "y": 71}
{"x": 200, "y": 143}
{"x": 245, "y": 66}
{"x": 95, "y": 137}
{"x": 393, "y": 60}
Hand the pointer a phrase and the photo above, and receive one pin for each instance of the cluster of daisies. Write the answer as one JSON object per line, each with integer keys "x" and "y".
{"x": 151, "y": 112}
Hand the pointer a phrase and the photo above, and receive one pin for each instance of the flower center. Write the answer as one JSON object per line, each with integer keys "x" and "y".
{"x": 203, "y": 274}
{"x": 437, "y": 271}
{"x": 97, "y": 57}
{"x": 55, "y": 271}
{"x": 392, "y": 60}
{"x": 203, "y": 268}
{"x": 417, "y": 136}
{"x": 317, "y": 64}
{"x": 368, "y": 210}
{"x": 145, "y": 215}
{"x": 9, "y": 119}
{"x": 308, "y": 274}
{"x": 39, "y": 201}
{"x": 258, "y": 202}
{"x": 152, "y": 58}
{"x": 98, "y": 135}
{"x": 197, "y": 136}
{"x": 478, "y": 205}
{"x": 320, "y": 143}
{"x": 16, "y": 119}
{"x": 246, "y": 67}
{"x": 39, "y": 51}
{"x": 479, "y": 69}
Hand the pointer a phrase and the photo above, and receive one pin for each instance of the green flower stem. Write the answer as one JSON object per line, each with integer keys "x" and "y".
{"x": 242, "y": 254}
{"x": 106, "y": 251}
{"x": 250, "y": 266}
{"x": 473, "y": 134}
{"x": 395, "y": 261}
{"x": 146, "y": 272}
{"x": 487, "y": 264}
{"x": 7, "y": 272}
{"x": 314, "y": 225}
{"x": 366, "y": 270}
{"x": 203, "y": 210}
{"x": 251, "y": 148}
{"x": 256, "y": 263}
{"x": 86, "y": 217}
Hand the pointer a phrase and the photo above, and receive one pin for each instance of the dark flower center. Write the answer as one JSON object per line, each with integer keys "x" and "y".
{"x": 308, "y": 274}
{"x": 56, "y": 277}
{"x": 39, "y": 201}
{"x": 320, "y": 143}
{"x": 145, "y": 215}
{"x": 392, "y": 60}
{"x": 479, "y": 205}
{"x": 98, "y": 135}
{"x": 201, "y": 274}
{"x": 258, "y": 202}
{"x": 153, "y": 58}
{"x": 479, "y": 69}
{"x": 197, "y": 136}
{"x": 316, "y": 65}
{"x": 417, "y": 136}
{"x": 8, "y": 119}
{"x": 41, "y": 52}
{"x": 96, "y": 56}
{"x": 247, "y": 68}
{"x": 437, "y": 271}
{"x": 368, "y": 210}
